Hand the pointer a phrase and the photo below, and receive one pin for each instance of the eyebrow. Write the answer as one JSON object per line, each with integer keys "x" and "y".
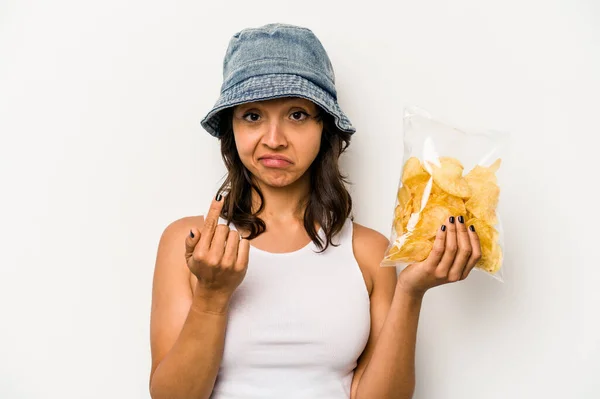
{"x": 298, "y": 101}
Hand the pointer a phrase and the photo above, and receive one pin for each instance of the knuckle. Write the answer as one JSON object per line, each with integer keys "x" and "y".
{"x": 227, "y": 262}
{"x": 438, "y": 250}
{"x": 199, "y": 256}
{"x": 430, "y": 268}
{"x": 452, "y": 248}
{"x": 453, "y": 277}
{"x": 216, "y": 261}
{"x": 212, "y": 261}
{"x": 441, "y": 274}
{"x": 239, "y": 266}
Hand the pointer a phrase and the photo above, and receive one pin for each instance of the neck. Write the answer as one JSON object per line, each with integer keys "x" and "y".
{"x": 284, "y": 204}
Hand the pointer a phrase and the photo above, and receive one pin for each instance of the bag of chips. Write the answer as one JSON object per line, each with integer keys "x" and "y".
{"x": 448, "y": 171}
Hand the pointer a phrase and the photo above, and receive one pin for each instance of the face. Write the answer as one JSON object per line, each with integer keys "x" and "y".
{"x": 277, "y": 140}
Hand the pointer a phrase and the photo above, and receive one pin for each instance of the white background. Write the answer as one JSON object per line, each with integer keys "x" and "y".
{"x": 101, "y": 148}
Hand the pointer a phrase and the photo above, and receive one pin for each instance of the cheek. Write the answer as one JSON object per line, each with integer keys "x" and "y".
{"x": 311, "y": 146}
{"x": 244, "y": 148}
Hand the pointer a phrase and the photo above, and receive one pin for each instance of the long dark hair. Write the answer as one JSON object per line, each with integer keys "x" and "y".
{"x": 329, "y": 203}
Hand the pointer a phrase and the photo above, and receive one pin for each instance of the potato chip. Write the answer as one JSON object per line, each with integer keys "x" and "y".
{"x": 418, "y": 191}
{"x": 413, "y": 172}
{"x": 487, "y": 173}
{"x": 486, "y": 233}
{"x": 485, "y": 192}
{"x": 491, "y": 260}
{"x": 484, "y": 200}
{"x": 411, "y": 251}
{"x": 403, "y": 195}
{"x": 491, "y": 254}
{"x": 399, "y": 226}
{"x": 455, "y": 204}
{"x": 451, "y": 160}
{"x": 436, "y": 190}
{"x": 497, "y": 257}
{"x": 495, "y": 166}
{"x": 449, "y": 178}
{"x": 402, "y": 215}
{"x": 431, "y": 219}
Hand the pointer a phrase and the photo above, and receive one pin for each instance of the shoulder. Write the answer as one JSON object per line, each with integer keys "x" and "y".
{"x": 175, "y": 233}
{"x": 365, "y": 238}
{"x": 369, "y": 249}
{"x": 171, "y": 250}
{"x": 182, "y": 226}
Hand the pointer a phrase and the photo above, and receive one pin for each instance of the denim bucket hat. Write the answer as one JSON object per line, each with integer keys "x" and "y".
{"x": 276, "y": 60}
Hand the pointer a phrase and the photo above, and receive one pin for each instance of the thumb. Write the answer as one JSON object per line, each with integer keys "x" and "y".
{"x": 190, "y": 241}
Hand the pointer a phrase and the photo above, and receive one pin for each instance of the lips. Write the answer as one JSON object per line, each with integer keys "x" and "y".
{"x": 276, "y": 158}
{"x": 275, "y": 161}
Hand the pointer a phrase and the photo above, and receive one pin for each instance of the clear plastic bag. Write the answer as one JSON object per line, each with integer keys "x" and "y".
{"x": 447, "y": 171}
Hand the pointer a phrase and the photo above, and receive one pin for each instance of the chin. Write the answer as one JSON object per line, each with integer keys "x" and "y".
{"x": 278, "y": 182}
{"x": 278, "y": 179}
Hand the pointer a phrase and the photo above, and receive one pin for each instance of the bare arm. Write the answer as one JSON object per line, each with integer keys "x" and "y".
{"x": 386, "y": 367}
{"x": 390, "y": 370}
{"x": 187, "y": 330}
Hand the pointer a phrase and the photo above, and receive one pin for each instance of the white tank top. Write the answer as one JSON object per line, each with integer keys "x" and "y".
{"x": 297, "y": 324}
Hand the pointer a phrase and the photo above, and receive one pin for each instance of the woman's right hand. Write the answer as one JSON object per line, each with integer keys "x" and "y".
{"x": 216, "y": 255}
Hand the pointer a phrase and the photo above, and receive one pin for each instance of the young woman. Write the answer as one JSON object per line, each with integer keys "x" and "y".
{"x": 276, "y": 292}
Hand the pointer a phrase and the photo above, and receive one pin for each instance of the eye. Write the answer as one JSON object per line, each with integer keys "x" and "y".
{"x": 251, "y": 117}
{"x": 299, "y": 115}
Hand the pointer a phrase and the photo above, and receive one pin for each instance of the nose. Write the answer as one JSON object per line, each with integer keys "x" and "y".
{"x": 274, "y": 136}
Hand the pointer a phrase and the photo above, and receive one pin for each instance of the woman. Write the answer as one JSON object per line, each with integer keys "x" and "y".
{"x": 276, "y": 292}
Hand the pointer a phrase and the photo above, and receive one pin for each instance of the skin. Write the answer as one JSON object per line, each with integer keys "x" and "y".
{"x": 193, "y": 283}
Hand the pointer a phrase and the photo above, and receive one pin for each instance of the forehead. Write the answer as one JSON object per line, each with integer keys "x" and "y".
{"x": 279, "y": 102}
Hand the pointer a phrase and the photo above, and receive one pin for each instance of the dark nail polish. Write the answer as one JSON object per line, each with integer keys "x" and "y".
{"x": 472, "y": 228}
{"x": 451, "y": 219}
{"x": 461, "y": 219}
{"x": 219, "y": 196}
{"x": 443, "y": 227}
{"x": 191, "y": 234}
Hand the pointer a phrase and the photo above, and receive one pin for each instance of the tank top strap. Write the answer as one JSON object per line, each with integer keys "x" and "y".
{"x": 344, "y": 237}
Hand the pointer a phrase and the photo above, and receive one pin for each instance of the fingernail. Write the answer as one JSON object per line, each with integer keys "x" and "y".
{"x": 443, "y": 227}
{"x": 451, "y": 219}
{"x": 219, "y": 196}
{"x": 461, "y": 219}
{"x": 472, "y": 228}
{"x": 191, "y": 234}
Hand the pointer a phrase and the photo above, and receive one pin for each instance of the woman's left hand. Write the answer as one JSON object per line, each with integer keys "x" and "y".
{"x": 455, "y": 252}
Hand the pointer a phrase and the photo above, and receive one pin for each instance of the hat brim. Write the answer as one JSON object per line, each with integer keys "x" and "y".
{"x": 265, "y": 87}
